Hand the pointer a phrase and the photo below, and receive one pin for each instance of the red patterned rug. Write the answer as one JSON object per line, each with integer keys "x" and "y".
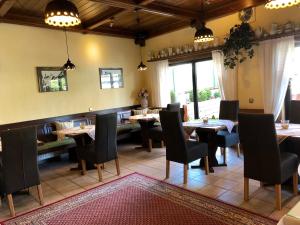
{"x": 138, "y": 200}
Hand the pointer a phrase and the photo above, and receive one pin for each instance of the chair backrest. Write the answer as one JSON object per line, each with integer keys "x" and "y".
{"x": 295, "y": 111}
{"x": 106, "y": 137}
{"x": 174, "y": 136}
{"x": 229, "y": 110}
{"x": 173, "y": 107}
{"x": 261, "y": 150}
{"x": 19, "y": 158}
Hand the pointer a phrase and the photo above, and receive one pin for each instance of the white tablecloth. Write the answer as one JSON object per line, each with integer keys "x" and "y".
{"x": 90, "y": 130}
{"x": 211, "y": 124}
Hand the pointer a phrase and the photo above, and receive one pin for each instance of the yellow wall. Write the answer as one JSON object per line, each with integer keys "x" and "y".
{"x": 249, "y": 85}
{"x": 24, "y": 48}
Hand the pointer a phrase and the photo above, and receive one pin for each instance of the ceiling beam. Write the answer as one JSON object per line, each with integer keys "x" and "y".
{"x": 154, "y": 8}
{"x": 109, "y": 14}
{"x": 103, "y": 18}
{"x": 231, "y": 6}
{"x": 5, "y": 6}
{"x": 39, "y": 22}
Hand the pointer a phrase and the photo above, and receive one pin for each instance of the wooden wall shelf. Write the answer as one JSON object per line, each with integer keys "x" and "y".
{"x": 206, "y": 53}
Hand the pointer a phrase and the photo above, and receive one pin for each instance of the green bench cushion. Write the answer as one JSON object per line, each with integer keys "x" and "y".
{"x": 55, "y": 144}
{"x": 127, "y": 127}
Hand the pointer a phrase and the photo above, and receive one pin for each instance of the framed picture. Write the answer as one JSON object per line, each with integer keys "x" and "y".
{"x": 111, "y": 78}
{"x": 52, "y": 79}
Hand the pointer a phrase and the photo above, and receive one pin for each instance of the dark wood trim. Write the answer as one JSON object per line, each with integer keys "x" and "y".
{"x": 64, "y": 117}
{"x": 103, "y": 18}
{"x": 108, "y": 16}
{"x": 154, "y": 8}
{"x": 205, "y": 53}
{"x": 26, "y": 20}
{"x": 5, "y": 6}
{"x": 195, "y": 91}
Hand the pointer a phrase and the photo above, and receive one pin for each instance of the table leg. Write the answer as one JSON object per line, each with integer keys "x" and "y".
{"x": 211, "y": 139}
{"x": 145, "y": 126}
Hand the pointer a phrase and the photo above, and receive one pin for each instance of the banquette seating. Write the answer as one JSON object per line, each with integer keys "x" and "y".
{"x": 50, "y": 146}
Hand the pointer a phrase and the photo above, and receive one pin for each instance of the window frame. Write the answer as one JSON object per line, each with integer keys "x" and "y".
{"x": 194, "y": 78}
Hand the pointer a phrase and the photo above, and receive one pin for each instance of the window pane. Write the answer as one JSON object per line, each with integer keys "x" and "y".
{"x": 181, "y": 86}
{"x": 209, "y": 96}
{"x": 295, "y": 84}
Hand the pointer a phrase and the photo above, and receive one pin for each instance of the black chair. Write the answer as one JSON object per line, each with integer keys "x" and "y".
{"x": 264, "y": 160}
{"x": 295, "y": 111}
{"x": 177, "y": 148}
{"x": 104, "y": 148}
{"x": 155, "y": 133}
{"x": 173, "y": 107}
{"x": 19, "y": 169}
{"x": 228, "y": 111}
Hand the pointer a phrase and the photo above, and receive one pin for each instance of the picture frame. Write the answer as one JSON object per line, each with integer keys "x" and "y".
{"x": 111, "y": 78}
{"x": 52, "y": 79}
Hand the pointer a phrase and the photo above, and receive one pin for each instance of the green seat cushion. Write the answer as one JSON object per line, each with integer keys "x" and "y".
{"x": 127, "y": 127}
{"x": 55, "y": 144}
{"x": 157, "y": 124}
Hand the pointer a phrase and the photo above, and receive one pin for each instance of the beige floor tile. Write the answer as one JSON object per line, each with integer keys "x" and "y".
{"x": 232, "y": 198}
{"x": 226, "y": 184}
{"x": 212, "y": 191}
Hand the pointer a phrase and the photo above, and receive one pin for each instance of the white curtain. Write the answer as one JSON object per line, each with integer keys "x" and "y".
{"x": 160, "y": 94}
{"x": 275, "y": 64}
{"x": 228, "y": 78}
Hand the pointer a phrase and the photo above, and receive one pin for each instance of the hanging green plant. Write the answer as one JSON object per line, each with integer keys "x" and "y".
{"x": 239, "y": 45}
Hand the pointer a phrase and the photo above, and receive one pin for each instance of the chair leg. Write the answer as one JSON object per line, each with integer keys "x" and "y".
{"x": 11, "y": 205}
{"x": 162, "y": 144}
{"x": 167, "y": 169}
{"x": 102, "y": 166}
{"x": 99, "y": 172}
{"x": 246, "y": 189}
{"x": 295, "y": 183}
{"x": 150, "y": 145}
{"x": 238, "y": 150}
{"x": 224, "y": 155}
{"x": 278, "y": 196}
{"x": 185, "y": 173}
{"x": 206, "y": 164}
{"x": 117, "y": 166}
{"x": 261, "y": 184}
{"x": 222, "y": 151}
{"x": 40, "y": 194}
{"x": 83, "y": 166}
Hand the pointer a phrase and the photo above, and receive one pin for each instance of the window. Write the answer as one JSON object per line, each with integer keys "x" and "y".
{"x": 195, "y": 85}
{"x": 181, "y": 86}
{"x": 208, "y": 91}
{"x": 295, "y": 81}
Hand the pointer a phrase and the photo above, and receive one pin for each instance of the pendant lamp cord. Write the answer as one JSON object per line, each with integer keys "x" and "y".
{"x": 141, "y": 53}
{"x": 67, "y": 43}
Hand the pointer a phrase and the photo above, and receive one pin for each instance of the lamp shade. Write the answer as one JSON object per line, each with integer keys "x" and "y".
{"x": 280, "y": 4}
{"x": 69, "y": 65}
{"x": 203, "y": 34}
{"x": 61, "y": 13}
{"x": 142, "y": 66}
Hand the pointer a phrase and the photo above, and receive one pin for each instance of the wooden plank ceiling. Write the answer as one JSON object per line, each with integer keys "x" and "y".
{"x": 119, "y": 17}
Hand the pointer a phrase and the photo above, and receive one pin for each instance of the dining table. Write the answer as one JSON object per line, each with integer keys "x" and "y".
{"x": 146, "y": 122}
{"x": 210, "y": 128}
{"x": 82, "y": 135}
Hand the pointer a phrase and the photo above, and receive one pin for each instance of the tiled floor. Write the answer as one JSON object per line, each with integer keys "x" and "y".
{"x": 225, "y": 184}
